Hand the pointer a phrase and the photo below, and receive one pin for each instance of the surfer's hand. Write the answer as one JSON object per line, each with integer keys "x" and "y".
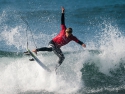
{"x": 83, "y": 45}
{"x": 35, "y": 51}
{"x": 63, "y": 9}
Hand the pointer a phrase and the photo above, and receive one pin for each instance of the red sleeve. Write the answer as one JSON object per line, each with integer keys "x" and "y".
{"x": 75, "y": 39}
{"x": 63, "y": 28}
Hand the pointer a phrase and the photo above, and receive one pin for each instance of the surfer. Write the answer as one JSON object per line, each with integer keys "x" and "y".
{"x": 64, "y": 37}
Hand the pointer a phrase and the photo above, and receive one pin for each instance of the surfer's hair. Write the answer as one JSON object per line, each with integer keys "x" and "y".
{"x": 69, "y": 30}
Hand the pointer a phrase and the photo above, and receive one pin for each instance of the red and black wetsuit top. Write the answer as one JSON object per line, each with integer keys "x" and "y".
{"x": 61, "y": 39}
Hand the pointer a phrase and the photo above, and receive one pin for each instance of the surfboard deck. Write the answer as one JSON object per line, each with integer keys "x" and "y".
{"x": 38, "y": 61}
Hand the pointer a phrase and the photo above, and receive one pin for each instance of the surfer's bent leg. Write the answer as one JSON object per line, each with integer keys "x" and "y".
{"x": 58, "y": 52}
{"x": 44, "y": 49}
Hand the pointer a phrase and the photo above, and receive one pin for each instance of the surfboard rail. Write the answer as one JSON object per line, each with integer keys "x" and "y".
{"x": 38, "y": 61}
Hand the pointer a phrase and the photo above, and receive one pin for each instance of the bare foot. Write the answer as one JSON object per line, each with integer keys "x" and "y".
{"x": 35, "y": 51}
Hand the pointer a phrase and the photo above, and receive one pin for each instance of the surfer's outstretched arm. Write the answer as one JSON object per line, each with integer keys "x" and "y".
{"x": 62, "y": 17}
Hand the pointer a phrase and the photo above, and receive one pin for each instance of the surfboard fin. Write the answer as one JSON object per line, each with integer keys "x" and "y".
{"x": 26, "y": 53}
{"x": 31, "y": 59}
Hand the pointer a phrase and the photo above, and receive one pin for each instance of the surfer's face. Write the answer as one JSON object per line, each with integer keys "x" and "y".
{"x": 68, "y": 34}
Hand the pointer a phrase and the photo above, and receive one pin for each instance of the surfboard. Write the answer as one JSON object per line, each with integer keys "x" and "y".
{"x": 39, "y": 62}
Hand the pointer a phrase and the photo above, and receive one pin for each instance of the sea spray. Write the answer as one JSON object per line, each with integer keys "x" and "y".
{"x": 112, "y": 44}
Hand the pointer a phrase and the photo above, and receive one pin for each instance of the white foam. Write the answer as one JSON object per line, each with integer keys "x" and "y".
{"x": 21, "y": 75}
{"x": 111, "y": 43}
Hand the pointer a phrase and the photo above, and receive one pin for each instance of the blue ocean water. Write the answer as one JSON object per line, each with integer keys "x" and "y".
{"x": 97, "y": 69}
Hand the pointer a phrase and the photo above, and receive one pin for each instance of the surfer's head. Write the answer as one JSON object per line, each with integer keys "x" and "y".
{"x": 68, "y": 32}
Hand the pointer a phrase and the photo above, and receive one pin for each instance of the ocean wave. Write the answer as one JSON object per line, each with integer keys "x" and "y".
{"x": 11, "y": 54}
{"x": 96, "y": 15}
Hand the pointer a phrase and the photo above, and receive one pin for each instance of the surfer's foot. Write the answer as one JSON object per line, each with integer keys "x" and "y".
{"x": 35, "y": 51}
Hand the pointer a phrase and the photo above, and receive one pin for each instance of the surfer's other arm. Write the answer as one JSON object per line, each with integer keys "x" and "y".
{"x": 81, "y": 43}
